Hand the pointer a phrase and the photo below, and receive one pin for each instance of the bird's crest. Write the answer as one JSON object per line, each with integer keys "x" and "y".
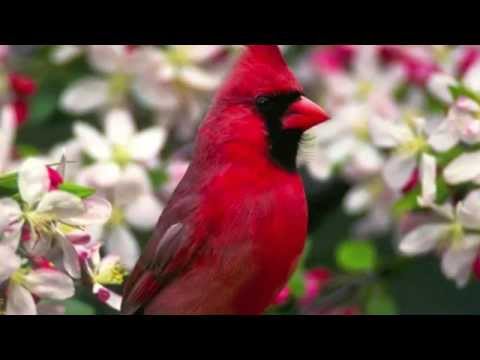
{"x": 261, "y": 69}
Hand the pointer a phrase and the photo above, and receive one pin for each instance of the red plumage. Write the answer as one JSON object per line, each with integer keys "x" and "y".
{"x": 232, "y": 232}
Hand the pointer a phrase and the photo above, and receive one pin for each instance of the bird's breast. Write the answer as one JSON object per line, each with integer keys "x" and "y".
{"x": 262, "y": 230}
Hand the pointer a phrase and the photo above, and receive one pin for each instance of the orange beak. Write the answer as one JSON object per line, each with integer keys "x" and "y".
{"x": 304, "y": 114}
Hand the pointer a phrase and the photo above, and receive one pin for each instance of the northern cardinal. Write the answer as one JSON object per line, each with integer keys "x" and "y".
{"x": 235, "y": 227}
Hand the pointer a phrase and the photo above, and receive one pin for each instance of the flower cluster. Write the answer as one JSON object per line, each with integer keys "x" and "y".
{"x": 405, "y": 133}
{"x": 77, "y": 214}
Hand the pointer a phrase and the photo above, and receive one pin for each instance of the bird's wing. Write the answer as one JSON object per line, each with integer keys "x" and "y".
{"x": 168, "y": 256}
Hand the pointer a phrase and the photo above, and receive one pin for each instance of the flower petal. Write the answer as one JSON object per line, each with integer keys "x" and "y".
{"x": 444, "y": 136}
{"x": 386, "y": 133}
{"x": 71, "y": 261}
{"x": 33, "y": 180}
{"x": 198, "y": 79}
{"x": 357, "y": 200}
{"x": 398, "y": 170}
{"x": 92, "y": 142}
{"x": 122, "y": 243}
{"x": 439, "y": 84}
{"x": 85, "y": 95}
{"x": 428, "y": 173}
{"x": 9, "y": 263}
{"x": 50, "y": 284}
{"x": 97, "y": 211}
{"x": 107, "y": 296}
{"x": 423, "y": 239}
{"x": 144, "y": 212}
{"x": 464, "y": 168}
{"x": 457, "y": 264}
{"x": 119, "y": 126}
{"x": 468, "y": 211}
{"x": 19, "y": 301}
{"x": 9, "y": 212}
{"x": 147, "y": 144}
{"x": 101, "y": 175}
{"x": 133, "y": 182}
{"x": 61, "y": 204}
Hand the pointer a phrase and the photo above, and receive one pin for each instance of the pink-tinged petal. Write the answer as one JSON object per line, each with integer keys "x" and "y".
{"x": 398, "y": 171}
{"x": 12, "y": 234}
{"x": 472, "y": 77}
{"x": 62, "y": 204}
{"x": 121, "y": 242}
{"x": 71, "y": 261}
{"x": 119, "y": 126}
{"x": 428, "y": 173}
{"x": 107, "y": 296}
{"x": 457, "y": 264}
{"x": 464, "y": 168}
{"x": 176, "y": 169}
{"x": 133, "y": 182}
{"x": 386, "y": 133}
{"x": 19, "y": 301}
{"x": 357, "y": 200}
{"x": 101, "y": 175}
{"x": 33, "y": 181}
{"x": 9, "y": 212}
{"x": 199, "y": 79}
{"x": 143, "y": 213}
{"x": 92, "y": 142}
{"x": 423, "y": 239}
{"x": 64, "y": 53}
{"x": 85, "y": 95}
{"x": 97, "y": 211}
{"x": 106, "y": 58}
{"x": 439, "y": 85}
{"x": 468, "y": 211}
{"x": 147, "y": 144}
{"x": 469, "y": 57}
{"x": 9, "y": 262}
{"x": 7, "y": 135}
{"x": 444, "y": 136}
{"x": 50, "y": 284}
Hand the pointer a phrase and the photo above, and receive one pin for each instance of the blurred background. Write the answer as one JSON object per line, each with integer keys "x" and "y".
{"x": 351, "y": 264}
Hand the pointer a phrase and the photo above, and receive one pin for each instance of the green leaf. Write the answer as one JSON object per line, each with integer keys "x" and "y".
{"x": 444, "y": 158}
{"x": 297, "y": 283}
{"x": 356, "y": 256}
{"x": 42, "y": 107}
{"x": 77, "y": 307}
{"x": 380, "y": 302}
{"x": 158, "y": 177}
{"x": 78, "y": 190}
{"x": 8, "y": 185}
{"x": 461, "y": 90}
{"x": 406, "y": 203}
{"x": 25, "y": 150}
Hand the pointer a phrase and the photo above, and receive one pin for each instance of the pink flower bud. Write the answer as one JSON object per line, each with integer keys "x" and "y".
{"x": 55, "y": 179}
{"x": 22, "y": 85}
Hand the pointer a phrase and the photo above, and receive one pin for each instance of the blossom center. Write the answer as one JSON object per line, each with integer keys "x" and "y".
{"x": 114, "y": 275}
{"x": 178, "y": 57}
{"x": 19, "y": 276}
{"x": 121, "y": 155}
{"x": 117, "y": 217}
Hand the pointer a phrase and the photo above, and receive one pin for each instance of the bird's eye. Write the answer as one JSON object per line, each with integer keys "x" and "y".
{"x": 262, "y": 101}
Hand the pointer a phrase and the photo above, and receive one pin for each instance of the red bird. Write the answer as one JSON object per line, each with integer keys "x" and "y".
{"x": 235, "y": 227}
